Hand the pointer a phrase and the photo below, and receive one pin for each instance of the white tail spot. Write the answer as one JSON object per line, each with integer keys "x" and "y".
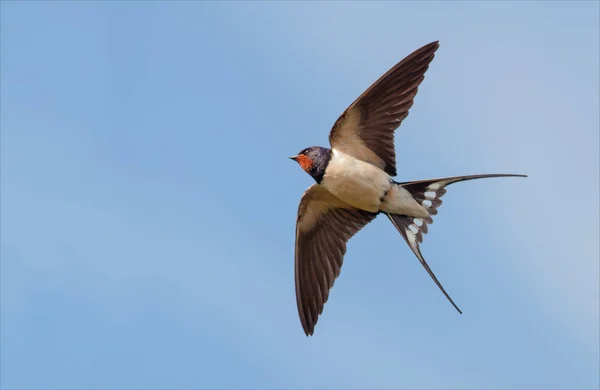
{"x": 434, "y": 186}
{"x": 414, "y": 228}
{"x": 418, "y": 222}
{"x": 430, "y": 195}
{"x": 427, "y": 203}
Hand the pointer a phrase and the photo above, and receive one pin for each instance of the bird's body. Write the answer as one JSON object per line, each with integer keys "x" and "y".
{"x": 367, "y": 187}
{"x": 354, "y": 184}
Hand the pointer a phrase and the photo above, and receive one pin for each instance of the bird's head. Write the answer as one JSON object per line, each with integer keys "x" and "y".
{"x": 313, "y": 161}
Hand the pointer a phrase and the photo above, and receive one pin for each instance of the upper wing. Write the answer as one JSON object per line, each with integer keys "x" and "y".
{"x": 324, "y": 226}
{"x": 366, "y": 129}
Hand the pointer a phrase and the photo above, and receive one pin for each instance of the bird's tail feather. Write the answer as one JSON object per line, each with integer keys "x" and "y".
{"x": 428, "y": 193}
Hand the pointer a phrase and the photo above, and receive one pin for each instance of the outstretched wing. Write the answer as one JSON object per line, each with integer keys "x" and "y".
{"x": 366, "y": 129}
{"x": 324, "y": 226}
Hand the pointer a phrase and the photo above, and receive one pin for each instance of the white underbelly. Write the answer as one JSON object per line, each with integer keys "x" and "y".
{"x": 356, "y": 182}
{"x": 367, "y": 187}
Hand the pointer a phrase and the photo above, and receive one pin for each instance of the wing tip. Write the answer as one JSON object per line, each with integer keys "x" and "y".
{"x": 432, "y": 45}
{"x": 308, "y": 330}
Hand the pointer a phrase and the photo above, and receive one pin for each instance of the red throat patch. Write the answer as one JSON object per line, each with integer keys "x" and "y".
{"x": 305, "y": 162}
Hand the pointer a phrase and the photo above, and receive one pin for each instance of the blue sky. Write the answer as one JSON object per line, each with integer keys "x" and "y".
{"x": 148, "y": 205}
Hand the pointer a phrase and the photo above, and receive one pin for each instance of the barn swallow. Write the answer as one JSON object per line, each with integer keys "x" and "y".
{"x": 353, "y": 185}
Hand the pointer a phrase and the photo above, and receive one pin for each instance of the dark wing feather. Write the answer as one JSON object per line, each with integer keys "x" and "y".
{"x": 366, "y": 129}
{"x": 324, "y": 226}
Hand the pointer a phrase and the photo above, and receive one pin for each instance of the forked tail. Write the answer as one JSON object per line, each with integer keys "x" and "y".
{"x": 428, "y": 193}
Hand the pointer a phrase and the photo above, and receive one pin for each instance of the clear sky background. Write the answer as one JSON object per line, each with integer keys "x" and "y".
{"x": 148, "y": 205}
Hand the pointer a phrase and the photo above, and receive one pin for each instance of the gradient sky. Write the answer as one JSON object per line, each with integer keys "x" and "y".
{"x": 148, "y": 205}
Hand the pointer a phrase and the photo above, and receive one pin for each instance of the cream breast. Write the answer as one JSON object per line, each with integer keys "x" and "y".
{"x": 356, "y": 182}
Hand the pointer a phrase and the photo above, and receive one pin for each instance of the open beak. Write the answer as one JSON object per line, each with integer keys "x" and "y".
{"x": 295, "y": 158}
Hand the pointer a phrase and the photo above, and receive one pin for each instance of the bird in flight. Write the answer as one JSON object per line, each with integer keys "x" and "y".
{"x": 354, "y": 185}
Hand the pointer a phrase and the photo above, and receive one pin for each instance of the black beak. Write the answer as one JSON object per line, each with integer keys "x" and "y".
{"x": 295, "y": 158}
